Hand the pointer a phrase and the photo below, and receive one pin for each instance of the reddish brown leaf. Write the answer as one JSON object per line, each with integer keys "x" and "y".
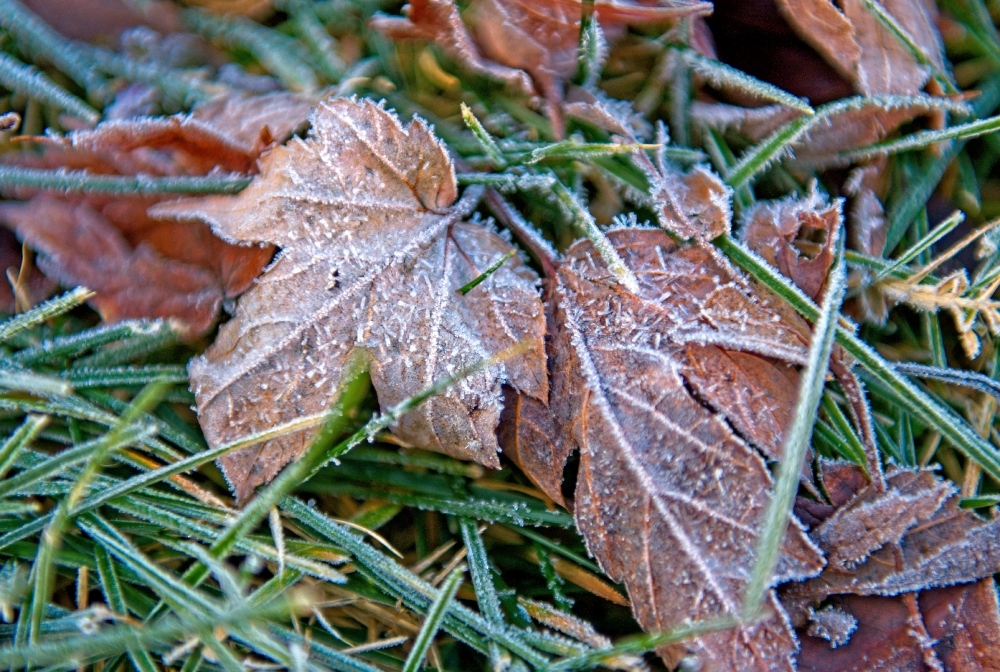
{"x": 373, "y": 252}
{"x": 79, "y": 246}
{"x": 795, "y": 235}
{"x": 668, "y": 498}
{"x": 964, "y": 621}
{"x": 948, "y": 546}
{"x": 514, "y": 39}
{"x": 886, "y": 640}
{"x": 149, "y": 267}
{"x": 864, "y": 51}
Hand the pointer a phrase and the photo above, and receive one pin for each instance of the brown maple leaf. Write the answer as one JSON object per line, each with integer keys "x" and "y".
{"x": 669, "y": 498}
{"x": 864, "y": 50}
{"x": 531, "y": 46}
{"x": 140, "y": 266}
{"x": 373, "y": 252}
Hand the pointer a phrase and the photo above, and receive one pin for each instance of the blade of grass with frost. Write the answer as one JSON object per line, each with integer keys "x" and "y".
{"x": 402, "y": 584}
{"x": 507, "y": 182}
{"x": 91, "y": 183}
{"x": 323, "y": 46}
{"x": 19, "y": 440}
{"x": 586, "y": 222}
{"x": 639, "y": 644}
{"x": 796, "y": 443}
{"x": 719, "y": 74}
{"x": 165, "y": 518}
{"x": 268, "y": 46}
{"x": 939, "y": 232}
{"x": 43, "y": 312}
{"x": 433, "y": 620}
{"x": 900, "y": 390}
{"x": 84, "y": 377}
{"x": 119, "y": 638}
{"x": 592, "y": 53}
{"x": 775, "y": 146}
{"x": 41, "y": 40}
{"x": 482, "y": 582}
{"x": 845, "y": 432}
{"x": 571, "y": 149}
{"x": 37, "y": 384}
{"x": 42, "y": 570}
{"x": 479, "y": 566}
{"x": 514, "y": 513}
{"x": 483, "y": 137}
{"x": 71, "y": 346}
{"x": 901, "y": 212}
{"x": 32, "y": 83}
{"x": 970, "y": 379}
{"x": 924, "y": 139}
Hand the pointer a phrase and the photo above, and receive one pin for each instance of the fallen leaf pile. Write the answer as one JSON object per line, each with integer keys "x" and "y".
{"x": 139, "y": 266}
{"x": 530, "y": 46}
{"x": 373, "y": 252}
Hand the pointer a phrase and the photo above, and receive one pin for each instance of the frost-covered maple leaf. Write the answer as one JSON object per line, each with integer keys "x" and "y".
{"x": 373, "y": 252}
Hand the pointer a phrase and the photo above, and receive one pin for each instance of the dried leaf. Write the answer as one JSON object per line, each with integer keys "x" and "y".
{"x": 863, "y": 49}
{"x": 372, "y": 257}
{"x": 78, "y": 246}
{"x": 668, "y": 497}
{"x": 918, "y": 550}
{"x": 514, "y": 39}
{"x": 965, "y": 624}
{"x": 888, "y": 638}
{"x": 795, "y": 235}
{"x": 140, "y": 266}
{"x": 875, "y": 519}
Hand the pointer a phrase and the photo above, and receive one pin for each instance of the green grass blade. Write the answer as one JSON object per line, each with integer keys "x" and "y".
{"x": 433, "y": 621}
{"x": 796, "y": 443}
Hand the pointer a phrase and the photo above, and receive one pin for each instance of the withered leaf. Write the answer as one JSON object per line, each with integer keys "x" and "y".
{"x": 520, "y": 39}
{"x": 863, "y": 50}
{"x": 78, "y": 246}
{"x": 852, "y": 126}
{"x": 890, "y": 637}
{"x": 795, "y": 235}
{"x": 964, "y": 621}
{"x": 668, "y": 497}
{"x": 918, "y": 550}
{"x": 140, "y": 266}
{"x": 372, "y": 255}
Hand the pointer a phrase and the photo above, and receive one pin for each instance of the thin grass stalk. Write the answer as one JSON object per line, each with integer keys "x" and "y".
{"x": 796, "y": 444}
{"x": 433, "y": 620}
{"x": 133, "y": 185}
{"x": 25, "y": 79}
{"x": 45, "y": 311}
{"x": 41, "y": 40}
